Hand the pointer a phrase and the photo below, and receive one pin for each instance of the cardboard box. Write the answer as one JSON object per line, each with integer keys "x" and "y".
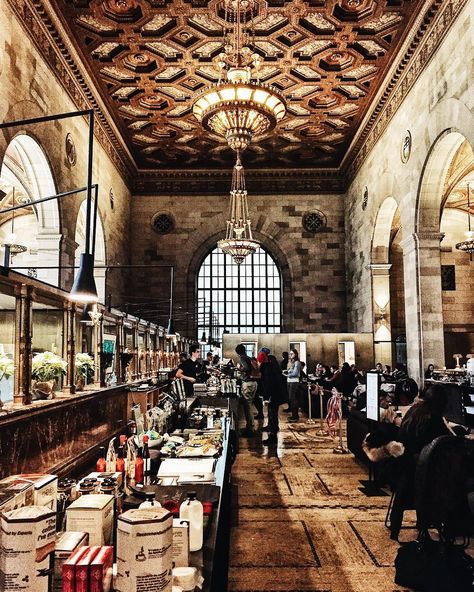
{"x": 180, "y": 543}
{"x": 69, "y": 569}
{"x": 93, "y": 514}
{"x": 83, "y": 569}
{"x": 45, "y": 489}
{"x": 16, "y": 493}
{"x": 67, "y": 544}
{"x": 144, "y": 550}
{"x": 100, "y": 576}
{"x": 28, "y": 540}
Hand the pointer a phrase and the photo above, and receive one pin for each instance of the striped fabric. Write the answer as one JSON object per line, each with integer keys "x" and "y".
{"x": 178, "y": 390}
{"x": 334, "y": 414}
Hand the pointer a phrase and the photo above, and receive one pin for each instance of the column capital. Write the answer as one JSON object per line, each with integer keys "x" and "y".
{"x": 423, "y": 239}
{"x": 380, "y": 268}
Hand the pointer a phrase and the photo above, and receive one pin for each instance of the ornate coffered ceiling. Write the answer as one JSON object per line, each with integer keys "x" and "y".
{"x": 149, "y": 57}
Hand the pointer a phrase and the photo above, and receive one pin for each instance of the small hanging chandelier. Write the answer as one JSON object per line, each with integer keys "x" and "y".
{"x": 239, "y": 108}
{"x": 467, "y": 246}
{"x": 238, "y": 242}
{"x": 10, "y": 244}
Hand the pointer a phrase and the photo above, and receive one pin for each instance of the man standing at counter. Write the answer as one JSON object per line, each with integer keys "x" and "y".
{"x": 187, "y": 370}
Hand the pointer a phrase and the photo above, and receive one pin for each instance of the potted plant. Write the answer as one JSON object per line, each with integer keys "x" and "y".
{"x": 85, "y": 368}
{"x": 7, "y": 368}
{"x": 47, "y": 369}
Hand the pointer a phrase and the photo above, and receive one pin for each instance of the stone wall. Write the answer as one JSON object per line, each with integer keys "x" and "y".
{"x": 28, "y": 88}
{"x": 312, "y": 265}
{"x": 441, "y": 101}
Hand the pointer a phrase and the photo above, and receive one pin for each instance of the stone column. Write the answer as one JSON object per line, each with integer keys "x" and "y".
{"x": 48, "y": 256}
{"x": 135, "y": 371}
{"x": 70, "y": 347}
{"x": 119, "y": 350}
{"x": 23, "y": 345}
{"x": 381, "y": 312}
{"x": 423, "y": 302}
{"x": 147, "y": 351}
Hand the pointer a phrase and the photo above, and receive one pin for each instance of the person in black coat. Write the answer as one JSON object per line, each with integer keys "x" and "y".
{"x": 271, "y": 378}
{"x": 422, "y": 423}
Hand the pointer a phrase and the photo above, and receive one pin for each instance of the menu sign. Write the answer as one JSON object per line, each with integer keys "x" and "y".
{"x": 372, "y": 396}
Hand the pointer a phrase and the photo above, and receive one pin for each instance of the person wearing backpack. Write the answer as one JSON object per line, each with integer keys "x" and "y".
{"x": 248, "y": 388}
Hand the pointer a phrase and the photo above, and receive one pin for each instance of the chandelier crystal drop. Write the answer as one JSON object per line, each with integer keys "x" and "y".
{"x": 238, "y": 242}
{"x": 467, "y": 246}
{"x": 237, "y": 107}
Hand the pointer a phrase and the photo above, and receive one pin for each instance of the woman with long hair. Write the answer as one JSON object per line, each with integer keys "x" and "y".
{"x": 424, "y": 421}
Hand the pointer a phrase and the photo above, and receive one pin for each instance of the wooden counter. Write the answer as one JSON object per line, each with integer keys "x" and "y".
{"x": 59, "y": 434}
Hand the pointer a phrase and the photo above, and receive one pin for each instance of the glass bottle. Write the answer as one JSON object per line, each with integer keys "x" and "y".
{"x": 146, "y": 462}
{"x": 139, "y": 467}
{"x": 101, "y": 462}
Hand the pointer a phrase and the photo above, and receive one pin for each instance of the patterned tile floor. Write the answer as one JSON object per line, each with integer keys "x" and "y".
{"x": 302, "y": 523}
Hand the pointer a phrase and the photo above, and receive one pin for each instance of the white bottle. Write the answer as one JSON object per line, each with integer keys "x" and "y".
{"x": 192, "y": 511}
{"x": 150, "y": 501}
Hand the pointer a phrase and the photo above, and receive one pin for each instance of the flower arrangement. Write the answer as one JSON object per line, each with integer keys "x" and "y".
{"x": 48, "y": 366}
{"x": 7, "y": 367}
{"x": 84, "y": 366}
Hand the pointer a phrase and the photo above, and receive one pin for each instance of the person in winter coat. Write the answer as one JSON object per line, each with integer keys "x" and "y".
{"x": 271, "y": 378}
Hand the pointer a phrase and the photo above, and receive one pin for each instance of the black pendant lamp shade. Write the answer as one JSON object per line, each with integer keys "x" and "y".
{"x": 203, "y": 339}
{"x": 170, "y": 331}
{"x": 84, "y": 288}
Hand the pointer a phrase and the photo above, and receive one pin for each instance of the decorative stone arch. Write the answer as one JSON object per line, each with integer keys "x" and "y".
{"x": 382, "y": 230}
{"x": 422, "y": 261}
{"x": 100, "y": 250}
{"x": 431, "y": 187}
{"x": 26, "y": 167}
{"x": 284, "y": 264}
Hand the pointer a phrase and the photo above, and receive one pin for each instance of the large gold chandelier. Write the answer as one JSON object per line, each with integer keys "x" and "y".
{"x": 237, "y": 107}
{"x": 238, "y": 242}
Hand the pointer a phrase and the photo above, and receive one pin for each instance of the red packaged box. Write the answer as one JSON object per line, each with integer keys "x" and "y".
{"x": 69, "y": 570}
{"x": 100, "y": 577}
{"x": 83, "y": 569}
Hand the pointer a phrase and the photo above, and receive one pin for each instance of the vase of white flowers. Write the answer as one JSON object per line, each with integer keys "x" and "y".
{"x": 47, "y": 369}
{"x": 7, "y": 368}
{"x": 85, "y": 368}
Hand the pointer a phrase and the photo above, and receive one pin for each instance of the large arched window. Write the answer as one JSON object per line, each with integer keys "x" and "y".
{"x": 239, "y": 299}
{"x": 25, "y": 176}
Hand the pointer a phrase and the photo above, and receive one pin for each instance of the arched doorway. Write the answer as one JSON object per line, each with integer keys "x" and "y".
{"x": 25, "y": 176}
{"x": 242, "y": 298}
{"x": 449, "y": 163}
{"x": 99, "y": 259}
{"x": 387, "y": 284}
{"x": 457, "y": 268}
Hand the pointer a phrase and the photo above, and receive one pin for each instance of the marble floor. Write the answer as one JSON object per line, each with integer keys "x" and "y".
{"x": 302, "y": 522}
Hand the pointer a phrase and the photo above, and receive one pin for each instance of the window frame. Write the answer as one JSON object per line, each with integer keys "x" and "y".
{"x": 236, "y": 307}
